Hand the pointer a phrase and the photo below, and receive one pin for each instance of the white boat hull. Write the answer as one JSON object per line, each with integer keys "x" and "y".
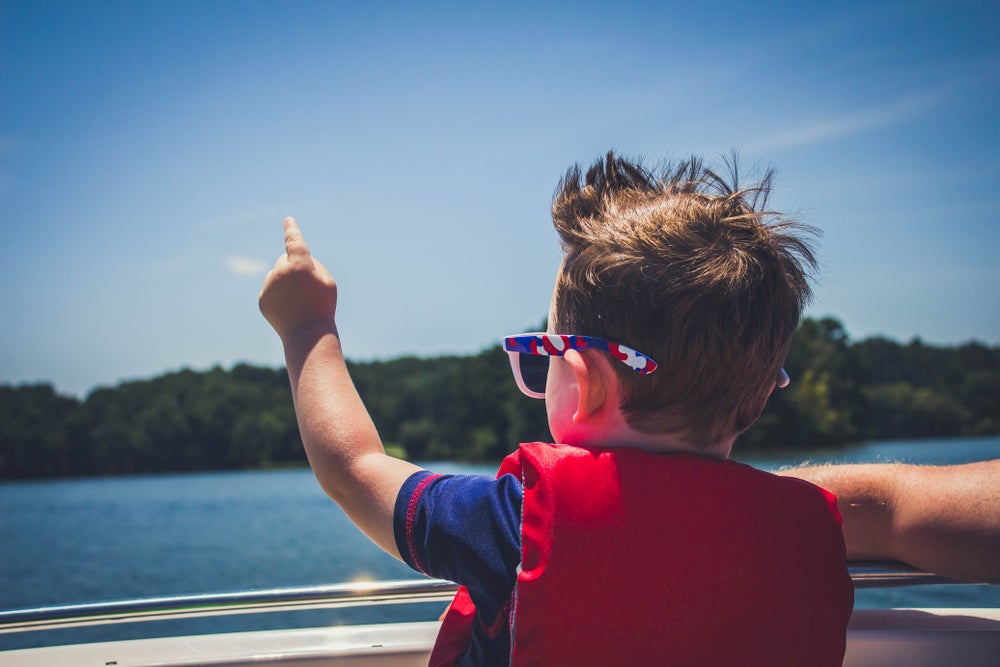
{"x": 876, "y": 637}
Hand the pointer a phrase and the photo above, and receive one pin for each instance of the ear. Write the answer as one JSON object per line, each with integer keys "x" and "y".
{"x": 592, "y": 379}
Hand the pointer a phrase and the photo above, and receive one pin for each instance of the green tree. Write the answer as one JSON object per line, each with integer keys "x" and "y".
{"x": 468, "y": 408}
{"x": 34, "y": 436}
{"x": 823, "y": 405}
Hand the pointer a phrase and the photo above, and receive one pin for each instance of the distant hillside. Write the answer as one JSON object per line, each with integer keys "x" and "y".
{"x": 467, "y": 408}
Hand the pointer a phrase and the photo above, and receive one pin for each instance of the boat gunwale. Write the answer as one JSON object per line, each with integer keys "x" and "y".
{"x": 355, "y": 594}
{"x": 334, "y": 596}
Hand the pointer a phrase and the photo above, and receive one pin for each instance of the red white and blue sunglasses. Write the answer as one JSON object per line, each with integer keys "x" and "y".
{"x": 530, "y": 352}
{"x": 529, "y": 357}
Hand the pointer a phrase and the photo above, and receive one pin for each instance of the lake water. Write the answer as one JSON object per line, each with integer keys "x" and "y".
{"x": 86, "y": 540}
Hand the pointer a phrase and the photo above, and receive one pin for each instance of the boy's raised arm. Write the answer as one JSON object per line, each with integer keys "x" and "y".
{"x": 942, "y": 519}
{"x": 299, "y": 299}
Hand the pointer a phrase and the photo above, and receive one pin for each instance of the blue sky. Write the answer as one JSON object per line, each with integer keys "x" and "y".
{"x": 149, "y": 151}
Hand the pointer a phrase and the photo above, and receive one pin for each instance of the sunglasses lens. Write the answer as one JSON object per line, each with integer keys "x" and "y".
{"x": 534, "y": 370}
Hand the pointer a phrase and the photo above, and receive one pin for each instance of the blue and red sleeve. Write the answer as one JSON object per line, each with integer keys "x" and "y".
{"x": 463, "y": 528}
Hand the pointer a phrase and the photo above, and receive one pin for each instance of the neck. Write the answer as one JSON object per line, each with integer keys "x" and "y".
{"x": 620, "y": 434}
{"x": 670, "y": 444}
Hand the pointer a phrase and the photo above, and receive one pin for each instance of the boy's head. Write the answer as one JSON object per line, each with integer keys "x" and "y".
{"x": 691, "y": 270}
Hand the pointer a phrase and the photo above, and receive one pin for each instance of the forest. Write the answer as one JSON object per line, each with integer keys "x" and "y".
{"x": 468, "y": 408}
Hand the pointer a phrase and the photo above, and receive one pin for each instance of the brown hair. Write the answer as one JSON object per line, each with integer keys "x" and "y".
{"x": 690, "y": 269}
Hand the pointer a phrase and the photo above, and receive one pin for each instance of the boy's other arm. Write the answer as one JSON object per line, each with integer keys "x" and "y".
{"x": 299, "y": 299}
{"x": 942, "y": 519}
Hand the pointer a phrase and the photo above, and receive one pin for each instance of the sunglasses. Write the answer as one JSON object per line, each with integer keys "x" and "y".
{"x": 529, "y": 357}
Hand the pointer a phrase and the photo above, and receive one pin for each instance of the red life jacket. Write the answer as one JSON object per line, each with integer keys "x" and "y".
{"x": 631, "y": 558}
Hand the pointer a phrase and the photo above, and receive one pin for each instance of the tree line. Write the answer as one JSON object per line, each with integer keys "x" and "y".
{"x": 468, "y": 408}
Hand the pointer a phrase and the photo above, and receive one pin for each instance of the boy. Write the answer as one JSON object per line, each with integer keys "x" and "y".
{"x": 634, "y": 540}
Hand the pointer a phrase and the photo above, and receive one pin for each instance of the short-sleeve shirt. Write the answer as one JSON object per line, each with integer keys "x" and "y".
{"x": 466, "y": 529}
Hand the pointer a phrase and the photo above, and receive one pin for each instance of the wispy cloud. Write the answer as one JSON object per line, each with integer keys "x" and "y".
{"x": 245, "y": 266}
{"x": 855, "y": 122}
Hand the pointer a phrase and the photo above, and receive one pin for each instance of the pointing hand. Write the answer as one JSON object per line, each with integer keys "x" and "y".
{"x": 298, "y": 293}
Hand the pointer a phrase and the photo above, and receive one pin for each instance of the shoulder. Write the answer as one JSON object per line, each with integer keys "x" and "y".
{"x": 440, "y": 521}
{"x": 782, "y": 489}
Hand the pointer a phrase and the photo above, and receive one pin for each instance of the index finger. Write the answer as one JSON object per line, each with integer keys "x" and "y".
{"x": 295, "y": 243}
